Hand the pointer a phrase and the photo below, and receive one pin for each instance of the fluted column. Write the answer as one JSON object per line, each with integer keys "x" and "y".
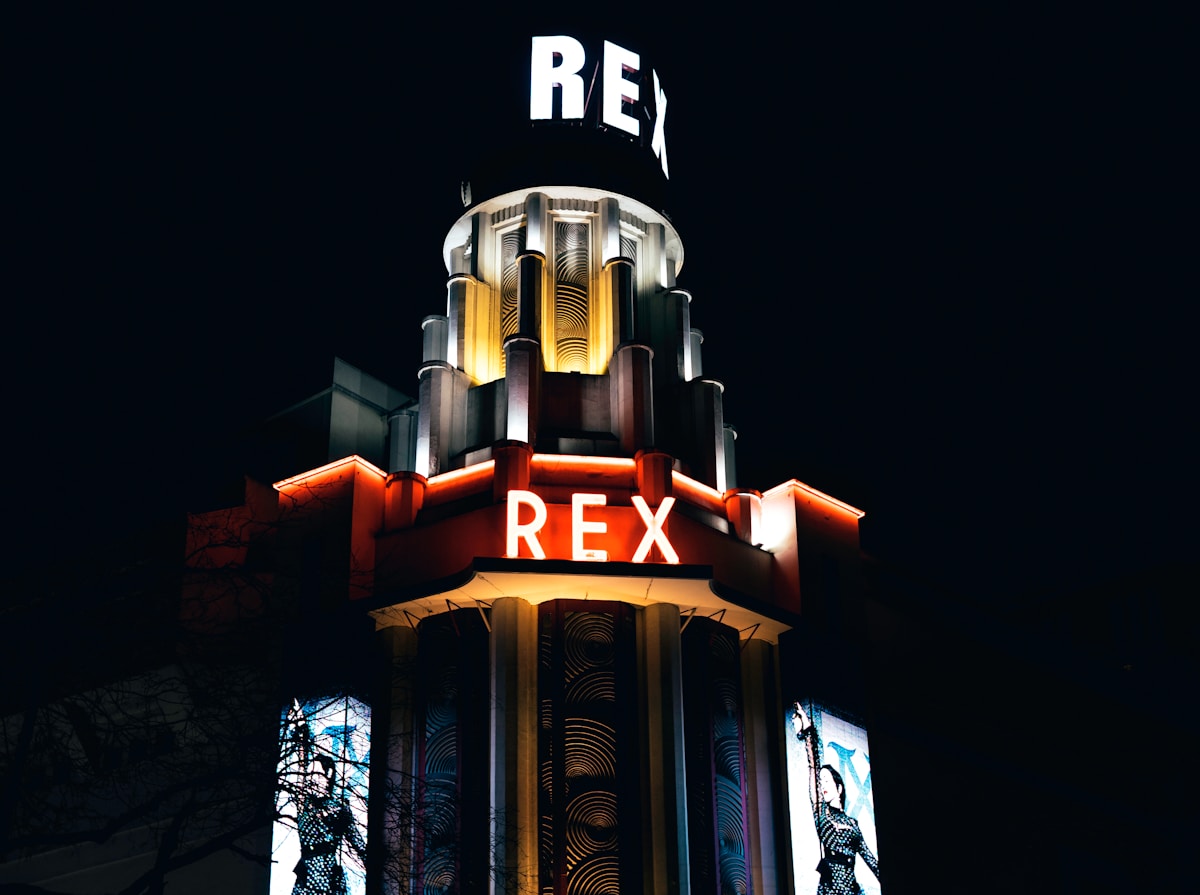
{"x": 654, "y": 481}
{"x": 531, "y": 267}
{"x": 394, "y": 795}
{"x": 511, "y": 471}
{"x": 523, "y": 380}
{"x": 403, "y": 497}
{"x": 743, "y": 509}
{"x": 708, "y": 432}
{"x": 523, "y": 364}
{"x": 458, "y": 299}
{"x": 514, "y": 782}
{"x": 765, "y": 810}
{"x": 666, "y": 867}
{"x": 442, "y": 397}
{"x": 729, "y": 435}
{"x": 620, "y": 285}
{"x": 631, "y": 378}
{"x": 402, "y": 439}
{"x": 434, "y": 330}
{"x": 696, "y": 362}
{"x": 632, "y": 396}
{"x": 671, "y": 326}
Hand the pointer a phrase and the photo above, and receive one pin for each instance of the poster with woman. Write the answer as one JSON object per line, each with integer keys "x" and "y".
{"x": 319, "y": 838}
{"x": 831, "y": 807}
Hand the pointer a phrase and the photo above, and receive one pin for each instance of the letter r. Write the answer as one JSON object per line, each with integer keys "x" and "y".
{"x": 544, "y": 75}
{"x": 529, "y": 530}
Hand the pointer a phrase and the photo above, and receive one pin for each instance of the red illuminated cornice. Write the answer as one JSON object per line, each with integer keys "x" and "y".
{"x": 831, "y": 501}
{"x": 312, "y": 476}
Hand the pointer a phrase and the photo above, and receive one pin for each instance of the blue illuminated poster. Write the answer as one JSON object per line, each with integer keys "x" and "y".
{"x": 831, "y": 806}
{"x": 319, "y": 838}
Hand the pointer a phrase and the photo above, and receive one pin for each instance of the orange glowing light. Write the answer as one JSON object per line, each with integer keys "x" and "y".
{"x": 563, "y": 461}
{"x": 456, "y": 483}
{"x": 698, "y": 493}
{"x": 479, "y": 470}
{"x": 306, "y": 478}
{"x": 819, "y": 495}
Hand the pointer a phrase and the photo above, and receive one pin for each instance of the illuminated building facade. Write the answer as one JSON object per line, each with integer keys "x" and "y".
{"x": 582, "y": 609}
{"x": 525, "y": 630}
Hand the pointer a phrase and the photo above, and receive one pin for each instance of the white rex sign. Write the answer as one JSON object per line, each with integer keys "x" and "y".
{"x": 558, "y": 61}
{"x": 517, "y": 531}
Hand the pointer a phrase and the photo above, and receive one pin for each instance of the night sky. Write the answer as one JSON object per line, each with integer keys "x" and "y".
{"x": 937, "y": 260}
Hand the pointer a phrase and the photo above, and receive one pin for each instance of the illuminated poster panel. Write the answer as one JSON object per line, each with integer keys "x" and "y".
{"x": 319, "y": 840}
{"x": 832, "y": 808}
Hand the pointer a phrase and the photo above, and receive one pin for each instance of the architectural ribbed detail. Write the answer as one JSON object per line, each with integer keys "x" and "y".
{"x": 629, "y": 248}
{"x": 571, "y": 273}
{"x": 512, "y": 244}
{"x": 760, "y": 687}
{"x": 509, "y": 213}
{"x": 439, "y": 760}
{"x": 399, "y": 645}
{"x": 514, "y": 745}
{"x": 579, "y": 206}
{"x": 666, "y": 867}
{"x": 715, "y": 757}
{"x": 587, "y": 748}
{"x": 452, "y": 828}
{"x": 629, "y": 219}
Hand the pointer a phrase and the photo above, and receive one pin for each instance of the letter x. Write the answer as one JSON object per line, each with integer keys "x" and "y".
{"x": 659, "y": 141}
{"x": 654, "y": 533}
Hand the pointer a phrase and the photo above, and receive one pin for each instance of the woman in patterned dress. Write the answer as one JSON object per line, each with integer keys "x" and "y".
{"x": 325, "y": 826}
{"x": 839, "y": 833}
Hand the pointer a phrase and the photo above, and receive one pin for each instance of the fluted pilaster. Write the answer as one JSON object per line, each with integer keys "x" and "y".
{"x": 666, "y": 868}
{"x": 514, "y": 783}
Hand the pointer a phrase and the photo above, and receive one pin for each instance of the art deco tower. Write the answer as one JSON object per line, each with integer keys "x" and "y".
{"x": 580, "y": 610}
